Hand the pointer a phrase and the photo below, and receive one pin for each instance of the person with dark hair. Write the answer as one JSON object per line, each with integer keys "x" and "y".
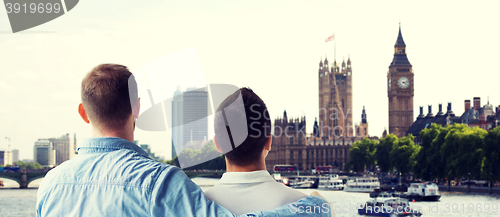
{"x": 112, "y": 176}
{"x": 246, "y": 168}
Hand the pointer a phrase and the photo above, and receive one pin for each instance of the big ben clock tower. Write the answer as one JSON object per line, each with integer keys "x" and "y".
{"x": 400, "y": 90}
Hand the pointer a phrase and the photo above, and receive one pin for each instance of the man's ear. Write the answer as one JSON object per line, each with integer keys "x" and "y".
{"x": 83, "y": 114}
{"x": 136, "y": 108}
{"x": 269, "y": 141}
{"x": 217, "y": 146}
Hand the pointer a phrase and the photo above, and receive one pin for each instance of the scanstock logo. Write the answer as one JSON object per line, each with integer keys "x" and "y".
{"x": 26, "y": 14}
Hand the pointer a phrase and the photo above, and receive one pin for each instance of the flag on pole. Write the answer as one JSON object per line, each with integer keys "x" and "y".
{"x": 329, "y": 38}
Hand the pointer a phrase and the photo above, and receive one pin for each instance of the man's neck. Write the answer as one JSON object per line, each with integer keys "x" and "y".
{"x": 113, "y": 133}
{"x": 247, "y": 168}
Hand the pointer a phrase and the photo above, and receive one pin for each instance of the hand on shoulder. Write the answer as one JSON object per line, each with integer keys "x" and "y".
{"x": 315, "y": 193}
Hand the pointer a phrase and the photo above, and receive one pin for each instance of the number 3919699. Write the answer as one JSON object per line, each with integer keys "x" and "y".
{"x": 33, "y": 8}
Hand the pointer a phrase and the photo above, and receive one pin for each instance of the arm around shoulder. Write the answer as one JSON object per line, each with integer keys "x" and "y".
{"x": 309, "y": 206}
{"x": 174, "y": 194}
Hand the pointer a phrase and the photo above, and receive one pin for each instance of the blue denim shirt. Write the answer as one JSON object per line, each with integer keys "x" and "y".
{"x": 114, "y": 177}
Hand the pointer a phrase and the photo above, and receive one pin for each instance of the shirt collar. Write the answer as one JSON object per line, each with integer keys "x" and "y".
{"x": 246, "y": 177}
{"x": 107, "y": 144}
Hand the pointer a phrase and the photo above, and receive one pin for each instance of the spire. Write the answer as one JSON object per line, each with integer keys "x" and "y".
{"x": 349, "y": 59}
{"x": 320, "y": 62}
{"x": 400, "y": 57}
{"x": 284, "y": 114}
{"x": 315, "y": 128}
{"x": 400, "y": 42}
{"x": 363, "y": 116}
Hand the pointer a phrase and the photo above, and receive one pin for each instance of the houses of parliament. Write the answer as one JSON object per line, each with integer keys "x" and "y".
{"x": 333, "y": 132}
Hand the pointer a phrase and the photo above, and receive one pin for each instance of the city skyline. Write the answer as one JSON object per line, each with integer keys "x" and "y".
{"x": 273, "y": 48}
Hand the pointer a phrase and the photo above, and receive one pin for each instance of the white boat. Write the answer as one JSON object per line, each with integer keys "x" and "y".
{"x": 423, "y": 191}
{"x": 386, "y": 205}
{"x": 301, "y": 181}
{"x": 331, "y": 182}
{"x": 362, "y": 184}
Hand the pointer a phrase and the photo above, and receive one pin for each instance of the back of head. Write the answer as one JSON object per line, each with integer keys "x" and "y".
{"x": 106, "y": 97}
{"x": 258, "y": 126}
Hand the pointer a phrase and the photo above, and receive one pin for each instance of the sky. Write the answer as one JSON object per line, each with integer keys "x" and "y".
{"x": 273, "y": 47}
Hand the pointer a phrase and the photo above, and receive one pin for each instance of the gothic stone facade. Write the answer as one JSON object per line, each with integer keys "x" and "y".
{"x": 329, "y": 144}
{"x": 292, "y": 146}
{"x": 335, "y": 99}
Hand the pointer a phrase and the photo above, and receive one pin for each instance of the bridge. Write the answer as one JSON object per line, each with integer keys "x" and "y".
{"x": 25, "y": 178}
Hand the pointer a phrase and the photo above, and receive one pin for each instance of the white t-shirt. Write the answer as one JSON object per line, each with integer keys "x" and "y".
{"x": 244, "y": 192}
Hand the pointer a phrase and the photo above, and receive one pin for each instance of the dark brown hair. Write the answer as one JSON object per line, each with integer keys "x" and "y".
{"x": 105, "y": 95}
{"x": 258, "y": 126}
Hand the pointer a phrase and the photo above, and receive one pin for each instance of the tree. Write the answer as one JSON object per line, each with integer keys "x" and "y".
{"x": 449, "y": 149}
{"x": 403, "y": 154}
{"x": 463, "y": 151}
{"x": 426, "y": 157}
{"x": 28, "y": 166}
{"x": 383, "y": 152}
{"x": 435, "y": 161}
{"x": 362, "y": 154}
{"x": 490, "y": 169}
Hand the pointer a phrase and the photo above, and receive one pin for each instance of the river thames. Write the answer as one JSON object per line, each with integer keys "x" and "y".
{"x": 21, "y": 202}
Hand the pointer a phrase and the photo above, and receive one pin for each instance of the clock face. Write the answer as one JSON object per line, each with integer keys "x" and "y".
{"x": 403, "y": 82}
{"x": 389, "y": 82}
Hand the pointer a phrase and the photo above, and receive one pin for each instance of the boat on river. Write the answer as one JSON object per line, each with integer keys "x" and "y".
{"x": 422, "y": 192}
{"x": 387, "y": 205}
{"x": 302, "y": 181}
{"x": 331, "y": 182}
{"x": 362, "y": 184}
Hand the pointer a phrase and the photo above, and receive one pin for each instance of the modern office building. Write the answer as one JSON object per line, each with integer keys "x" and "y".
{"x": 64, "y": 146}
{"x": 44, "y": 153}
{"x": 5, "y": 157}
{"x": 15, "y": 155}
{"x": 189, "y": 118}
{"x": 195, "y": 112}
{"x": 177, "y": 117}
